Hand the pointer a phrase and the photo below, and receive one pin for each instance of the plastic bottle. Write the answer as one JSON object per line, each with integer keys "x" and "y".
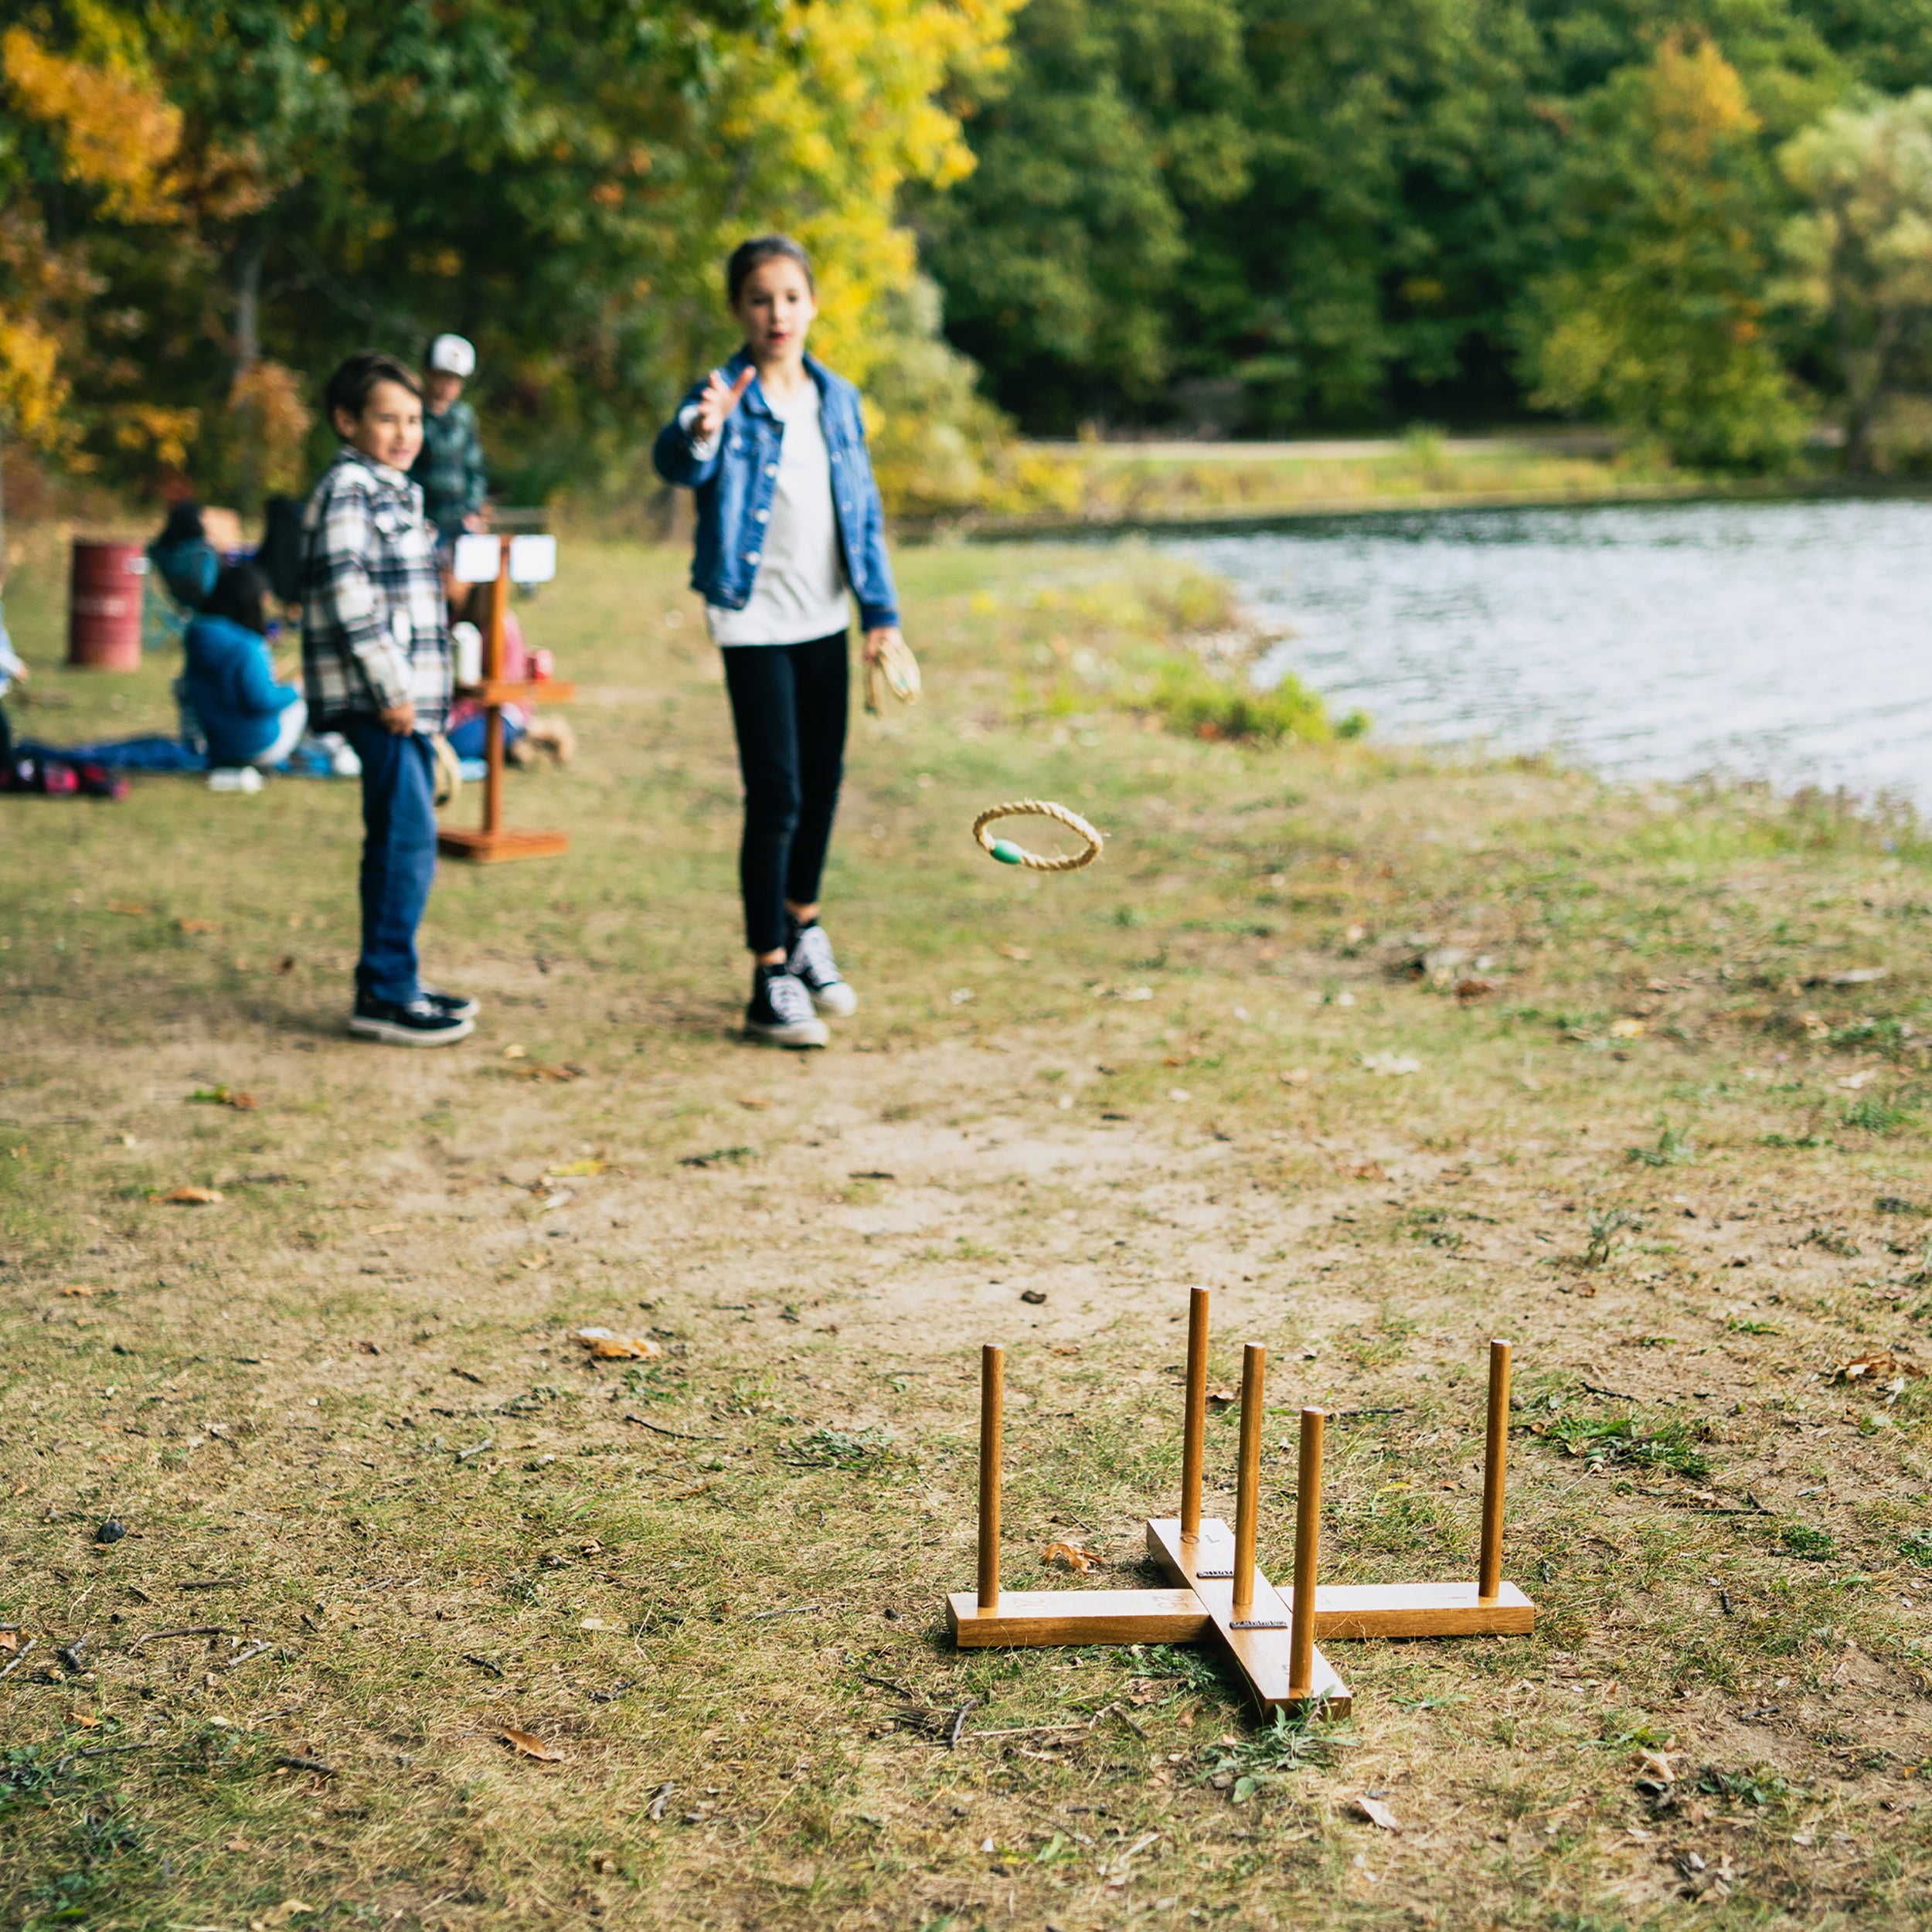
{"x": 247, "y": 778}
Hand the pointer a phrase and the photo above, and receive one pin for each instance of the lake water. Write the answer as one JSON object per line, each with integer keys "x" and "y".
{"x": 1786, "y": 642}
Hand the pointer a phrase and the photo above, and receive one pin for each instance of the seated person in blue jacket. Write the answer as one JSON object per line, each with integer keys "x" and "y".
{"x": 247, "y": 718}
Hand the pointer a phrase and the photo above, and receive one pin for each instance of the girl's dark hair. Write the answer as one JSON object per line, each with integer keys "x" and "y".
{"x": 183, "y": 525}
{"x": 755, "y": 253}
{"x": 240, "y": 593}
{"x": 349, "y": 388}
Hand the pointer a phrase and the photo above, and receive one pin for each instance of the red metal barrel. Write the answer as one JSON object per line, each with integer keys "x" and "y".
{"x": 103, "y": 609}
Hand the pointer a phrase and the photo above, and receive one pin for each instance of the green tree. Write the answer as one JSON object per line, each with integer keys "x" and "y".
{"x": 559, "y": 183}
{"x": 1280, "y": 212}
{"x": 1658, "y": 321}
{"x": 1060, "y": 252}
{"x": 1860, "y": 260}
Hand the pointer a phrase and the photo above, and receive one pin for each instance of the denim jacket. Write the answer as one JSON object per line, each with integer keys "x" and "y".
{"x": 735, "y": 486}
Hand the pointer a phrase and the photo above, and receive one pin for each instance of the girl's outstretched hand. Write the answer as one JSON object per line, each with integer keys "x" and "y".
{"x": 719, "y": 399}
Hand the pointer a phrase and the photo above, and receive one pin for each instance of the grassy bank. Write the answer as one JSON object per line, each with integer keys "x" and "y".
{"x": 1395, "y": 1054}
{"x": 1060, "y": 486}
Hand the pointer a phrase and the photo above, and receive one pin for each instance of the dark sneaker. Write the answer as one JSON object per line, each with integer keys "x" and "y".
{"x": 420, "y": 1022}
{"x": 810, "y": 961}
{"x": 781, "y": 1012}
{"x": 457, "y": 1005}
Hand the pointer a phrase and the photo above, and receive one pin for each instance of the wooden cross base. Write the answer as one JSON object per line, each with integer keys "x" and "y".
{"x": 1350, "y": 1612}
{"x": 1258, "y": 1644}
{"x": 486, "y": 847}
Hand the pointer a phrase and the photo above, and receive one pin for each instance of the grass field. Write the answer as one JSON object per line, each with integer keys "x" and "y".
{"x": 1394, "y": 1054}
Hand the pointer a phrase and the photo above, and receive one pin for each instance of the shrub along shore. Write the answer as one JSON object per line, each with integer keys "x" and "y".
{"x": 424, "y": 1616}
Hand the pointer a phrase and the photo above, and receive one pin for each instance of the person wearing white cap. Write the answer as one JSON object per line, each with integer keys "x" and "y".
{"x": 449, "y": 468}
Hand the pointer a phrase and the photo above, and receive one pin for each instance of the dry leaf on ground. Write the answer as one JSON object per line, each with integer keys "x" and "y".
{"x": 572, "y": 1170}
{"x": 9, "y": 1640}
{"x": 193, "y": 1196}
{"x": 78, "y": 1287}
{"x": 1377, "y": 1813}
{"x": 86, "y": 1720}
{"x": 1070, "y": 1556}
{"x": 127, "y": 908}
{"x": 606, "y": 1345}
{"x": 1220, "y": 1398}
{"x": 524, "y": 1745}
{"x": 556, "y": 1071}
{"x": 199, "y": 926}
{"x": 1882, "y": 1369}
{"x": 1627, "y": 1029}
{"x": 1295, "y": 1076}
{"x": 1015, "y": 952}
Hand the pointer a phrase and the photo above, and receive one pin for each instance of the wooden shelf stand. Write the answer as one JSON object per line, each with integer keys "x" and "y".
{"x": 493, "y": 842}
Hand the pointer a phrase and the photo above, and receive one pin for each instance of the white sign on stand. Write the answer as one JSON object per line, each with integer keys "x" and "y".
{"x": 533, "y": 560}
{"x": 478, "y": 558}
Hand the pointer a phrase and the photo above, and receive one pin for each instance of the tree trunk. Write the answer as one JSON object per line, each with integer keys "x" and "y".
{"x": 248, "y": 353}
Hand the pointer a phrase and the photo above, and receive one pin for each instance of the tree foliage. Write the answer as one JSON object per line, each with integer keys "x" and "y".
{"x": 1264, "y": 214}
{"x": 560, "y": 183}
{"x": 1658, "y": 324}
{"x": 87, "y": 142}
{"x": 1860, "y": 259}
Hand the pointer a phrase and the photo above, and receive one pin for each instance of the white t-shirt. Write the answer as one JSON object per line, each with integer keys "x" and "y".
{"x": 800, "y": 591}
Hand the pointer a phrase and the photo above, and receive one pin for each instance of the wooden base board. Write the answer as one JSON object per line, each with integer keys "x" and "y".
{"x": 532, "y": 691}
{"x": 1345, "y": 1612}
{"x": 1258, "y": 1642}
{"x": 1030, "y": 1617}
{"x": 489, "y": 847}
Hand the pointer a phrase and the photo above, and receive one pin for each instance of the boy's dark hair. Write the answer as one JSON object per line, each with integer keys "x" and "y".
{"x": 240, "y": 593}
{"x": 349, "y": 388}
{"x": 755, "y": 253}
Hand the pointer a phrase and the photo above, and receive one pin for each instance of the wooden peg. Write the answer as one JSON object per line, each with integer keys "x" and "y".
{"x": 1254, "y": 1363}
{"x": 1194, "y": 1427}
{"x": 1489, "y": 1571}
{"x": 992, "y": 1377}
{"x": 1308, "y": 1554}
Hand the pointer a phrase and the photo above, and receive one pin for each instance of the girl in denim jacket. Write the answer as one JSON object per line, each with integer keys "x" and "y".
{"x": 790, "y": 534}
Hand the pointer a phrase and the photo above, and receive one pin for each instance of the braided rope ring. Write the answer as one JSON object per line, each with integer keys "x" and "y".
{"x": 1009, "y": 854}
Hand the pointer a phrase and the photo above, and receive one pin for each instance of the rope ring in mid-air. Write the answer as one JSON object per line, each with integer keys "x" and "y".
{"x": 1009, "y": 854}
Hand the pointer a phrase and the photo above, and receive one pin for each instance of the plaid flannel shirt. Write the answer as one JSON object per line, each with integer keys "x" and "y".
{"x": 449, "y": 467}
{"x": 375, "y": 629}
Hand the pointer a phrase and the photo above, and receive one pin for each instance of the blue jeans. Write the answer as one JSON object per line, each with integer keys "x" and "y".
{"x": 398, "y": 855}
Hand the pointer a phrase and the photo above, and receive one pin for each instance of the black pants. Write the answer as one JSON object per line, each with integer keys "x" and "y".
{"x": 788, "y": 701}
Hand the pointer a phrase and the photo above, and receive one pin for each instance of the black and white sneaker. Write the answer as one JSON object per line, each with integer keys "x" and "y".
{"x": 809, "y": 960}
{"x": 457, "y": 1005}
{"x": 781, "y": 1012}
{"x": 417, "y": 1022}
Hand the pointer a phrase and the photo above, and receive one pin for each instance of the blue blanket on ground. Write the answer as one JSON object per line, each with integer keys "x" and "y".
{"x": 156, "y": 754}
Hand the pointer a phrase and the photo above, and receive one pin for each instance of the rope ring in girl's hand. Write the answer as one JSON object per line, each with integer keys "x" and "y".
{"x": 1009, "y": 854}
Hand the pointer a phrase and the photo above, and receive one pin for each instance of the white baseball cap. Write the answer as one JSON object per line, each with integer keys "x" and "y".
{"x": 454, "y": 355}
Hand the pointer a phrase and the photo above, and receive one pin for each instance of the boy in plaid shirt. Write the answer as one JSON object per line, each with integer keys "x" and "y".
{"x": 376, "y": 661}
